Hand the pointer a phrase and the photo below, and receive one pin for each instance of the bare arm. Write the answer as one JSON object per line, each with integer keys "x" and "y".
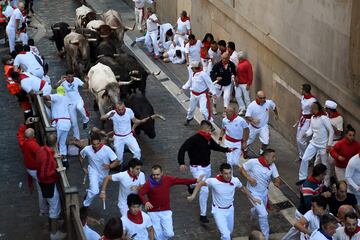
{"x": 301, "y": 225}
{"x": 276, "y": 113}
{"x": 106, "y": 116}
{"x": 222, "y": 133}
{"x": 251, "y": 180}
{"x": 249, "y": 196}
{"x": 58, "y": 83}
{"x": 47, "y": 98}
{"x": 104, "y": 185}
{"x": 277, "y": 182}
{"x": 245, "y": 137}
{"x": 151, "y": 233}
{"x": 196, "y": 190}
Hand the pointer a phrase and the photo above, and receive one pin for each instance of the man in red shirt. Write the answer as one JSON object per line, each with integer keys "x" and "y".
{"x": 343, "y": 150}
{"x": 29, "y": 148}
{"x": 155, "y": 195}
{"x": 243, "y": 82}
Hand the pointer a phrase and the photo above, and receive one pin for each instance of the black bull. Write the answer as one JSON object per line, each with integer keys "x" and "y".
{"x": 142, "y": 108}
{"x": 60, "y": 30}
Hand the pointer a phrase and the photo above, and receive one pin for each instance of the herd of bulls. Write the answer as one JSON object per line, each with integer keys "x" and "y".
{"x": 112, "y": 74}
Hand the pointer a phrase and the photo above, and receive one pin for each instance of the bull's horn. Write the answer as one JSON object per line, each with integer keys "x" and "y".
{"x": 158, "y": 116}
{"x": 100, "y": 56}
{"x": 156, "y": 74}
{"x": 56, "y": 28}
{"x": 74, "y": 41}
{"x": 134, "y": 72}
{"x": 117, "y": 76}
{"x": 99, "y": 13}
{"x": 92, "y": 39}
{"x": 87, "y": 35}
{"x": 129, "y": 28}
{"x": 71, "y": 28}
{"x": 116, "y": 55}
{"x": 98, "y": 90}
{"x": 135, "y": 78}
{"x": 114, "y": 28}
{"x": 125, "y": 83}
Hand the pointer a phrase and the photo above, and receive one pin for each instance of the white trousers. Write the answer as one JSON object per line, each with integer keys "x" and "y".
{"x": 151, "y": 42}
{"x": 190, "y": 72}
{"x": 11, "y": 34}
{"x": 61, "y": 139}
{"x": 293, "y": 232}
{"x": 224, "y": 219}
{"x": 95, "y": 181}
{"x": 24, "y": 38}
{"x": 233, "y": 158}
{"x": 44, "y": 208}
{"x": 76, "y": 108}
{"x": 262, "y": 213}
{"x": 196, "y": 171}
{"x": 263, "y": 133}
{"x": 340, "y": 173}
{"x": 227, "y": 93}
{"x": 309, "y": 153}
{"x": 139, "y": 15}
{"x": 163, "y": 224}
{"x": 130, "y": 142}
{"x": 242, "y": 96}
{"x": 38, "y": 72}
{"x": 180, "y": 40}
{"x": 54, "y": 205}
{"x": 204, "y": 104}
{"x": 301, "y": 142}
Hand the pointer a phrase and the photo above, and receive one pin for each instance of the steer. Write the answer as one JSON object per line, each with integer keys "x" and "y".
{"x": 90, "y": 34}
{"x": 95, "y": 24}
{"x": 77, "y": 50}
{"x": 84, "y": 15}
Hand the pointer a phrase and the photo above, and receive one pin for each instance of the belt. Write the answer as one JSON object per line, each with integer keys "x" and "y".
{"x": 227, "y": 137}
{"x": 222, "y": 207}
{"x": 57, "y": 119}
{"x": 139, "y": 8}
{"x": 306, "y": 116}
{"x": 204, "y": 166}
{"x": 42, "y": 84}
{"x": 254, "y": 126}
{"x": 122, "y": 135}
{"x": 199, "y": 93}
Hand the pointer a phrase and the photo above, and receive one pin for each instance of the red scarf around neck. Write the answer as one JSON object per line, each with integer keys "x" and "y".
{"x": 137, "y": 219}
{"x": 221, "y": 179}
{"x": 308, "y": 96}
{"x": 96, "y": 150}
{"x": 319, "y": 114}
{"x": 334, "y": 114}
{"x": 263, "y": 162}
{"x": 233, "y": 118}
{"x": 192, "y": 44}
{"x": 184, "y": 19}
{"x": 353, "y": 233}
{"x": 134, "y": 177}
{"x": 313, "y": 179}
{"x": 22, "y": 52}
{"x": 206, "y": 135}
{"x": 258, "y": 102}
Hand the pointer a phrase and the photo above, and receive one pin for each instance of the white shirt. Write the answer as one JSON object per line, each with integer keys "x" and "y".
{"x": 313, "y": 221}
{"x": 235, "y": 127}
{"x": 34, "y": 50}
{"x": 60, "y": 112}
{"x": 31, "y": 83}
{"x": 306, "y": 105}
{"x": 90, "y": 234}
{"x": 260, "y": 112}
{"x": 200, "y": 82}
{"x": 172, "y": 55}
{"x": 151, "y": 24}
{"x": 341, "y": 235}
{"x": 352, "y": 174}
{"x": 139, "y": 229}
{"x": 163, "y": 29}
{"x": 321, "y": 130}
{"x": 125, "y": 183}
{"x": 72, "y": 89}
{"x": 193, "y": 51}
{"x": 261, "y": 174}
{"x": 141, "y": 3}
{"x": 183, "y": 27}
{"x": 338, "y": 123}
{"x": 223, "y": 193}
{"x": 96, "y": 159}
{"x": 16, "y": 15}
{"x": 216, "y": 56}
{"x": 122, "y": 124}
{"x": 27, "y": 62}
{"x": 8, "y": 11}
{"x": 317, "y": 236}
{"x": 234, "y": 58}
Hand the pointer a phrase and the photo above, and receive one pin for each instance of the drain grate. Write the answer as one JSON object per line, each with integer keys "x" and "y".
{"x": 283, "y": 205}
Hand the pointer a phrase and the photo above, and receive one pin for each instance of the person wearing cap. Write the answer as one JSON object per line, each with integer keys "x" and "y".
{"x": 352, "y": 176}
{"x": 222, "y": 74}
{"x": 304, "y": 122}
{"x": 60, "y": 119}
{"x": 199, "y": 148}
{"x": 243, "y": 82}
{"x": 152, "y": 31}
{"x": 321, "y": 133}
{"x": 199, "y": 84}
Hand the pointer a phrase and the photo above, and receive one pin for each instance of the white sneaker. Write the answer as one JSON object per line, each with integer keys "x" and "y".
{"x": 57, "y": 236}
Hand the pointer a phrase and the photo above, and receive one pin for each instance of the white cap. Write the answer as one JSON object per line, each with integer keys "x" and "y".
{"x": 330, "y": 104}
{"x": 195, "y": 64}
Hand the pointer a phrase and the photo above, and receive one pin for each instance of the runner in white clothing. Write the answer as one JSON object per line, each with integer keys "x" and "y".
{"x": 257, "y": 115}
{"x": 130, "y": 181}
{"x": 89, "y": 233}
{"x": 14, "y": 25}
{"x": 101, "y": 159}
{"x": 192, "y": 53}
{"x": 137, "y": 224}
{"x": 152, "y": 31}
{"x": 232, "y": 53}
{"x": 199, "y": 84}
{"x": 351, "y": 230}
{"x": 123, "y": 133}
{"x": 183, "y": 29}
{"x": 307, "y": 99}
{"x": 139, "y": 12}
{"x": 352, "y": 176}
{"x": 31, "y": 84}
{"x": 223, "y": 188}
{"x": 236, "y": 131}
{"x": 71, "y": 85}
{"x": 214, "y": 55}
{"x": 29, "y": 62}
{"x": 328, "y": 225}
{"x": 258, "y": 173}
{"x": 322, "y": 137}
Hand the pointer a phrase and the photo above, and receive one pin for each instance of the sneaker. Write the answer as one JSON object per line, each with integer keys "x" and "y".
{"x": 190, "y": 189}
{"x": 58, "y": 235}
{"x": 204, "y": 219}
{"x": 85, "y": 125}
{"x": 133, "y": 43}
{"x": 65, "y": 163}
{"x": 187, "y": 122}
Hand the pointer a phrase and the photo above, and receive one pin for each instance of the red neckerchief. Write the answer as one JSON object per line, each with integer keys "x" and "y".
{"x": 263, "y": 162}
{"x": 100, "y": 146}
{"x": 206, "y": 45}
{"x": 184, "y": 19}
{"x": 225, "y": 65}
{"x": 353, "y": 233}
{"x": 197, "y": 70}
{"x": 221, "y": 179}
{"x": 193, "y": 43}
{"x": 120, "y": 113}
{"x": 222, "y": 51}
{"x": 206, "y": 135}
{"x": 308, "y": 96}
{"x": 334, "y": 114}
{"x": 319, "y": 114}
{"x": 258, "y": 102}
{"x": 22, "y": 52}
{"x": 137, "y": 219}
{"x": 22, "y": 76}
{"x": 313, "y": 180}
{"x": 134, "y": 178}
{"x": 232, "y": 118}
{"x": 105, "y": 238}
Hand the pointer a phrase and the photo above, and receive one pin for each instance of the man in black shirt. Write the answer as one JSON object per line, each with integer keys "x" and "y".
{"x": 341, "y": 197}
{"x": 222, "y": 74}
{"x": 199, "y": 149}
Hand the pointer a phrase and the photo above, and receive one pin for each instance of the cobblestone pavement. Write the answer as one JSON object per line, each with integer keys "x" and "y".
{"x": 20, "y": 209}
